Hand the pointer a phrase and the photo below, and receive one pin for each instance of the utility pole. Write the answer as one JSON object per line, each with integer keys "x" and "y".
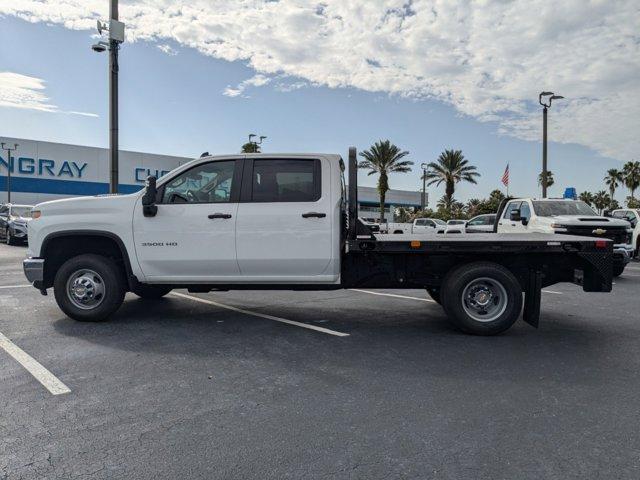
{"x": 545, "y": 107}
{"x": 424, "y": 186}
{"x": 116, "y": 37}
{"x": 113, "y": 103}
{"x": 8, "y": 149}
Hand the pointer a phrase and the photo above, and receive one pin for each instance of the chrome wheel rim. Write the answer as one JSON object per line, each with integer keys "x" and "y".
{"x": 85, "y": 289}
{"x": 484, "y": 299}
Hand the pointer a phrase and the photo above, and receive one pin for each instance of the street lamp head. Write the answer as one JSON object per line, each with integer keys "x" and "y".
{"x": 544, "y": 94}
{"x": 556, "y": 97}
{"x": 99, "y": 47}
{"x": 424, "y": 166}
{"x": 262, "y": 137}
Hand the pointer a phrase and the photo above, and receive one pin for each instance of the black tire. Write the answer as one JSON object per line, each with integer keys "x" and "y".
{"x": 8, "y": 238}
{"x": 618, "y": 269}
{"x": 434, "y": 293}
{"x": 502, "y": 308}
{"x": 152, "y": 292}
{"x": 111, "y": 286}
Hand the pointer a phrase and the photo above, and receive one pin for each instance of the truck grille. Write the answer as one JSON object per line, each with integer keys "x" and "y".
{"x": 617, "y": 234}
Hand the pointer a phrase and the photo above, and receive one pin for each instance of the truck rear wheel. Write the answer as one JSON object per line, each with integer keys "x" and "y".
{"x": 482, "y": 298}
{"x": 89, "y": 288}
{"x": 151, "y": 292}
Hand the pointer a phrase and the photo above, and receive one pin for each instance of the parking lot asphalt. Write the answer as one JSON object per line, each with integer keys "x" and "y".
{"x": 204, "y": 388}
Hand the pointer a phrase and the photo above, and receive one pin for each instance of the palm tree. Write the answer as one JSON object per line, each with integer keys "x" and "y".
{"x": 451, "y": 168}
{"x": 601, "y": 200}
{"x": 631, "y": 173}
{"x": 250, "y": 147}
{"x": 472, "y": 206}
{"x": 613, "y": 179}
{"x": 449, "y": 204}
{"x": 550, "y": 180}
{"x": 383, "y": 158}
{"x": 586, "y": 197}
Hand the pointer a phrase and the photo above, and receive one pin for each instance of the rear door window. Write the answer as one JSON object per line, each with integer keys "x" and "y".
{"x": 285, "y": 180}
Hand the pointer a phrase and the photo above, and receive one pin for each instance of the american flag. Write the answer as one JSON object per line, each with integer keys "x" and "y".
{"x": 505, "y": 177}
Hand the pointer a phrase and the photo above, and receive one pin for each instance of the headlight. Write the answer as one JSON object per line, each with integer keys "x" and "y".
{"x": 36, "y": 214}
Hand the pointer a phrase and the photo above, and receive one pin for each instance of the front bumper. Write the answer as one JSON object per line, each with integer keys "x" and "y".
{"x": 19, "y": 231}
{"x": 33, "y": 269}
{"x": 622, "y": 253}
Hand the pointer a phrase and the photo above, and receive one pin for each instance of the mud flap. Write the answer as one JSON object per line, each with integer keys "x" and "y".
{"x": 532, "y": 297}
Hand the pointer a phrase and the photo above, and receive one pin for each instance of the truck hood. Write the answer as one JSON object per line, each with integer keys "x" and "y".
{"x": 88, "y": 205}
{"x": 586, "y": 221}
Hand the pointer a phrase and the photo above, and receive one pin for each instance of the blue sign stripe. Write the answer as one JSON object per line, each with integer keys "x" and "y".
{"x": 62, "y": 187}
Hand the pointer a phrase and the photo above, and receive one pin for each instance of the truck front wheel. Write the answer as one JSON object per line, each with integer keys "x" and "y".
{"x": 482, "y": 298}
{"x": 89, "y": 288}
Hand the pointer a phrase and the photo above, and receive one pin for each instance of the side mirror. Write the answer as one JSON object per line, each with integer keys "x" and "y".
{"x": 149, "y": 207}
{"x": 525, "y": 221}
{"x": 514, "y": 216}
{"x": 606, "y": 213}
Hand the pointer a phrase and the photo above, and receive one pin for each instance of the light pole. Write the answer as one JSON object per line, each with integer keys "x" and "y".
{"x": 424, "y": 185}
{"x": 550, "y": 96}
{"x": 116, "y": 37}
{"x": 256, "y": 145}
{"x": 8, "y": 149}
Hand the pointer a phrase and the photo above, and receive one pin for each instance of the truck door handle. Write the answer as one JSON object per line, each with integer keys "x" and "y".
{"x": 219, "y": 215}
{"x": 313, "y": 214}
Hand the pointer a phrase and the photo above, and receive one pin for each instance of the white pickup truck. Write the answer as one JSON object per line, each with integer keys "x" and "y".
{"x": 631, "y": 215}
{"x": 419, "y": 225}
{"x": 567, "y": 217}
{"x": 280, "y": 221}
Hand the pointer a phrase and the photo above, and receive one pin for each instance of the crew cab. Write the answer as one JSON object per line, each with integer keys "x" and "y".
{"x": 566, "y": 217}
{"x": 286, "y": 222}
{"x": 631, "y": 215}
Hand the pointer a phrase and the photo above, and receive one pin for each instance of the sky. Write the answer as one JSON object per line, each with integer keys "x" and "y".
{"x": 320, "y": 76}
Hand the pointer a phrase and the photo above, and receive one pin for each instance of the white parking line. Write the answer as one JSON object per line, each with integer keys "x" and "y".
{"x": 261, "y": 315}
{"x": 393, "y": 295}
{"x": 418, "y": 298}
{"x": 44, "y": 376}
{"x": 15, "y": 286}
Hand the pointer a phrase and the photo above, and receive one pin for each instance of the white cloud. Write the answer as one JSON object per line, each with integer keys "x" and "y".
{"x": 257, "y": 80}
{"x": 23, "y": 91}
{"x": 489, "y": 59}
{"x": 168, "y": 49}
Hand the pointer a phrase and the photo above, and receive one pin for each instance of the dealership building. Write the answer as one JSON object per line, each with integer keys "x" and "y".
{"x": 42, "y": 171}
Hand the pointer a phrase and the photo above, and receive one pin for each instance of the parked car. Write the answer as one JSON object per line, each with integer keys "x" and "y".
{"x": 481, "y": 223}
{"x": 372, "y": 223}
{"x": 568, "y": 217}
{"x": 13, "y": 222}
{"x": 455, "y": 226}
{"x": 631, "y": 215}
{"x": 419, "y": 225}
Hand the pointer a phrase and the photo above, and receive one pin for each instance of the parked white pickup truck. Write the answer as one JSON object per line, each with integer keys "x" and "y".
{"x": 631, "y": 215}
{"x": 419, "y": 225}
{"x": 567, "y": 217}
{"x": 260, "y": 221}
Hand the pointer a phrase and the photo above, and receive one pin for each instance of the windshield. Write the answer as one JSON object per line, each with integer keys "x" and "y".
{"x": 439, "y": 222}
{"x": 455, "y": 222}
{"x": 24, "y": 212}
{"x": 552, "y": 209}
